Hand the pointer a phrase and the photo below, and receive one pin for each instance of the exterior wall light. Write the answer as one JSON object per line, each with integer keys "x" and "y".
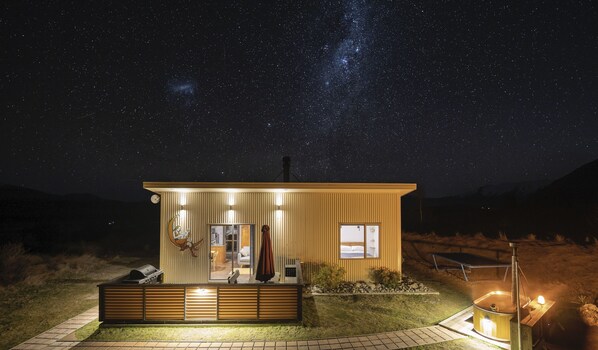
{"x": 541, "y": 300}
{"x": 231, "y": 203}
{"x": 201, "y": 291}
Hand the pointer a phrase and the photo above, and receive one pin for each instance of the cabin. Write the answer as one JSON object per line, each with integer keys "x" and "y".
{"x": 210, "y": 231}
{"x": 354, "y": 225}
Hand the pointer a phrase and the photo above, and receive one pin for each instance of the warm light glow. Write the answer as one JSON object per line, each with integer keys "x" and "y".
{"x": 231, "y": 199}
{"x": 201, "y": 291}
{"x": 278, "y": 213}
{"x": 541, "y": 300}
{"x": 183, "y": 200}
{"x": 231, "y": 215}
{"x": 278, "y": 199}
{"x": 488, "y": 327}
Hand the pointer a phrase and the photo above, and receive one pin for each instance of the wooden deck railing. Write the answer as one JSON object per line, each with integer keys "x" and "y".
{"x": 198, "y": 303}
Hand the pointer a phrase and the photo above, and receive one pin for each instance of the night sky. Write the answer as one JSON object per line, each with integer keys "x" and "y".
{"x": 99, "y": 96}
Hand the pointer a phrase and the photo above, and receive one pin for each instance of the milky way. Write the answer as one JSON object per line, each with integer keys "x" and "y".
{"x": 98, "y": 97}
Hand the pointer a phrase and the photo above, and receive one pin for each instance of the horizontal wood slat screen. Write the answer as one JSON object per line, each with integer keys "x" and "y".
{"x": 164, "y": 303}
{"x": 123, "y": 303}
{"x": 278, "y": 303}
{"x": 237, "y": 303}
{"x": 202, "y": 303}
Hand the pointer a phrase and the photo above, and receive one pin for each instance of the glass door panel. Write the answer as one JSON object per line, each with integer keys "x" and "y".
{"x": 231, "y": 248}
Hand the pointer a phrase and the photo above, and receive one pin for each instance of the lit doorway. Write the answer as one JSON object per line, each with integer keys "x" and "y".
{"x": 231, "y": 248}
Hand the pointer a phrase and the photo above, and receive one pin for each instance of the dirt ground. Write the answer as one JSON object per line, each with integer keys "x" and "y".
{"x": 558, "y": 270}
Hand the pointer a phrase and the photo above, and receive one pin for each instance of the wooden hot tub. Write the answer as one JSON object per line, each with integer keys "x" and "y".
{"x": 492, "y": 314}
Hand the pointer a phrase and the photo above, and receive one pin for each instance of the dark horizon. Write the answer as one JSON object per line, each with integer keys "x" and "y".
{"x": 99, "y": 97}
{"x": 136, "y": 194}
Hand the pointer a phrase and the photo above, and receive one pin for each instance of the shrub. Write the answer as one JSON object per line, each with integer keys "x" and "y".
{"x": 531, "y": 237}
{"x": 328, "y": 276}
{"x": 385, "y": 276}
{"x": 13, "y": 263}
{"x": 559, "y": 238}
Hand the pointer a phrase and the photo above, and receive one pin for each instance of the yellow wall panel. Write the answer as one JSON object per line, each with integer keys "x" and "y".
{"x": 306, "y": 228}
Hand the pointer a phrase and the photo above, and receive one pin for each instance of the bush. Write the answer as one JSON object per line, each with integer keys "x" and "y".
{"x": 13, "y": 263}
{"x": 531, "y": 237}
{"x": 385, "y": 276}
{"x": 328, "y": 276}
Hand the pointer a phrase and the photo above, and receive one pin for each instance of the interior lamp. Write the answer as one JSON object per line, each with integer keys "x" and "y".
{"x": 541, "y": 300}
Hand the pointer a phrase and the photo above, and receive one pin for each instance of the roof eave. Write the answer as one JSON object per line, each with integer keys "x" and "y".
{"x": 162, "y": 187}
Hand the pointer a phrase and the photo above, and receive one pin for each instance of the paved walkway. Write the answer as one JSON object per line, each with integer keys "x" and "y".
{"x": 51, "y": 339}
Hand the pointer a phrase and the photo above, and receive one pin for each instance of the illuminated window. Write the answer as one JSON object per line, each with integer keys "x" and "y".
{"x": 360, "y": 241}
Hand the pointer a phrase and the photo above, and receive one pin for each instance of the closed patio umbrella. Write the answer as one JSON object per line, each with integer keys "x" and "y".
{"x": 265, "y": 264}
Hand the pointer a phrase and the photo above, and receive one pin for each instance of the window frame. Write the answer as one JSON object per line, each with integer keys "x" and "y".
{"x": 364, "y": 224}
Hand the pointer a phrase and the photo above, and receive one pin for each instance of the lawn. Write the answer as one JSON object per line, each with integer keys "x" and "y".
{"x": 68, "y": 287}
{"x": 30, "y": 310}
{"x": 50, "y": 291}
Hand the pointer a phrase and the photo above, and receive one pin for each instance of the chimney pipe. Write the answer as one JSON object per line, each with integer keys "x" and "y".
{"x": 286, "y": 169}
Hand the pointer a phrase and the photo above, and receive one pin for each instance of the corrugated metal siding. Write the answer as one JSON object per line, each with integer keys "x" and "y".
{"x": 307, "y": 228}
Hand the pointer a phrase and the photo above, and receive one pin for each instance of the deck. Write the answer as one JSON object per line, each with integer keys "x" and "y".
{"x": 201, "y": 303}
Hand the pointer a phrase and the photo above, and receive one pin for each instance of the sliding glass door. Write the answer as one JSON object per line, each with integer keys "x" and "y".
{"x": 231, "y": 248}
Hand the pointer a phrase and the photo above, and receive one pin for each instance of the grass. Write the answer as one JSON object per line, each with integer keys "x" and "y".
{"x": 39, "y": 292}
{"x": 460, "y": 344}
{"x": 323, "y": 317}
{"x": 66, "y": 286}
{"x": 30, "y": 310}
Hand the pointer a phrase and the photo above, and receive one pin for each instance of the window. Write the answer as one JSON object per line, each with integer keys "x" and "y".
{"x": 360, "y": 241}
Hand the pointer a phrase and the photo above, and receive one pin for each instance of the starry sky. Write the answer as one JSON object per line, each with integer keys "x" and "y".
{"x": 99, "y": 96}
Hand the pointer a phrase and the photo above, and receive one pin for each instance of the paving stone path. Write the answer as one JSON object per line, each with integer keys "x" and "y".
{"x": 52, "y": 340}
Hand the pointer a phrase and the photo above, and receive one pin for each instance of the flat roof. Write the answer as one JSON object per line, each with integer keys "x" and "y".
{"x": 332, "y": 187}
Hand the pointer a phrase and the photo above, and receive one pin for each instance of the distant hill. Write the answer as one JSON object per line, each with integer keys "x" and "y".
{"x": 581, "y": 185}
{"x": 76, "y": 222}
{"x": 518, "y": 188}
{"x": 566, "y": 206}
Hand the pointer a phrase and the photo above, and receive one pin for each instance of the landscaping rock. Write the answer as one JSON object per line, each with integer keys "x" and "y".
{"x": 407, "y": 285}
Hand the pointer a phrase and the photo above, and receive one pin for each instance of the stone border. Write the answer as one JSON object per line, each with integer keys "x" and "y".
{"x": 375, "y": 293}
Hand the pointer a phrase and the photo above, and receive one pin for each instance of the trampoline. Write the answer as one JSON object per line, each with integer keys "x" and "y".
{"x": 469, "y": 261}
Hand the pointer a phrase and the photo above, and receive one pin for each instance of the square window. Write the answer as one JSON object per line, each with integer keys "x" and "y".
{"x": 359, "y": 241}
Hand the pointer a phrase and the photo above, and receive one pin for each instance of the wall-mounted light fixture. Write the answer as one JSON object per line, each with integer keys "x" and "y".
{"x": 278, "y": 204}
{"x": 231, "y": 203}
{"x": 182, "y": 206}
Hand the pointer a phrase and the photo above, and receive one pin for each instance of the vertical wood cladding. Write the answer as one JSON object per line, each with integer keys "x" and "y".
{"x": 305, "y": 228}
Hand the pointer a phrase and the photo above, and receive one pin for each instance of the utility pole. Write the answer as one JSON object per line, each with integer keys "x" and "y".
{"x": 515, "y": 291}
